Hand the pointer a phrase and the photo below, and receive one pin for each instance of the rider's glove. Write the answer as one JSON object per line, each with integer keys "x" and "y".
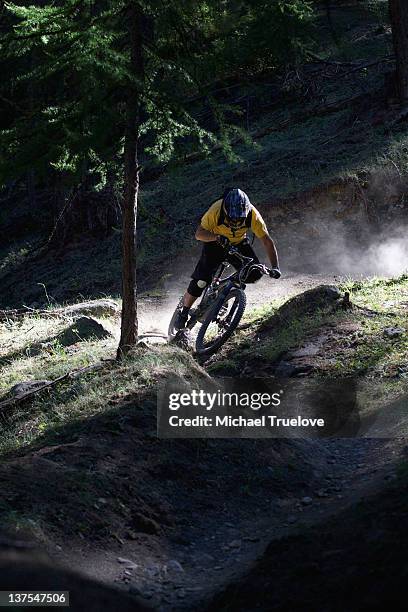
{"x": 275, "y": 273}
{"x": 222, "y": 240}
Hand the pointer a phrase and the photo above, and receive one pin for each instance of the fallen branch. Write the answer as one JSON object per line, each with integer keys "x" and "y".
{"x": 328, "y": 62}
{"x": 356, "y": 66}
{"x": 85, "y": 308}
{"x": 8, "y": 403}
{"x": 20, "y": 313}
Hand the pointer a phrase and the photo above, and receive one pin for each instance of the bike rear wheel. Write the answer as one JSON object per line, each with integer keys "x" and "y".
{"x": 221, "y": 322}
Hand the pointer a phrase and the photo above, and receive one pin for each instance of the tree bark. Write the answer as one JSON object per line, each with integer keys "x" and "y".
{"x": 399, "y": 22}
{"x": 129, "y": 322}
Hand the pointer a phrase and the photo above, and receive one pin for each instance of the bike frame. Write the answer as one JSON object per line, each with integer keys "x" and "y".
{"x": 221, "y": 287}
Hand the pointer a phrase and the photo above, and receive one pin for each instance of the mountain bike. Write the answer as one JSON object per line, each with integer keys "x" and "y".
{"x": 222, "y": 304}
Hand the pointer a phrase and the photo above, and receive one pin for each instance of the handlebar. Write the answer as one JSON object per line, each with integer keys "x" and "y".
{"x": 271, "y": 272}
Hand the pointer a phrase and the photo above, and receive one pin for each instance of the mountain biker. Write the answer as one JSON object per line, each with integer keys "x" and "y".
{"x": 227, "y": 221}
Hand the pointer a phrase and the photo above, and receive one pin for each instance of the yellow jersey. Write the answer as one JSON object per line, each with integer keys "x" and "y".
{"x": 235, "y": 235}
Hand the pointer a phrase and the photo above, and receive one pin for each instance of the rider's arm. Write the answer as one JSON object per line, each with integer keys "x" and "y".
{"x": 270, "y": 250}
{"x": 204, "y": 235}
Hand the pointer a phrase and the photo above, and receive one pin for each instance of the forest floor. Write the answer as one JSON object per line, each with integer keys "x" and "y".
{"x": 221, "y": 540}
{"x": 178, "y": 522}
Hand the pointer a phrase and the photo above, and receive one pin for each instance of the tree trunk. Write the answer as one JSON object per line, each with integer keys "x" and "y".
{"x": 399, "y": 22}
{"x": 129, "y": 323}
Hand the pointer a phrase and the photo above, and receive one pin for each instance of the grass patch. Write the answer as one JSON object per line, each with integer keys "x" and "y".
{"x": 356, "y": 343}
{"x": 73, "y": 402}
{"x": 290, "y": 337}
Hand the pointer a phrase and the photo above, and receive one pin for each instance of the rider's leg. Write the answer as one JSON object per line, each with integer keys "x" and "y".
{"x": 188, "y": 300}
{"x": 212, "y": 256}
{"x": 182, "y": 316}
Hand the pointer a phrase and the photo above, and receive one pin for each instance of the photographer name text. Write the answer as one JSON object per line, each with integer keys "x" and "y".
{"x": 241, "y": 421}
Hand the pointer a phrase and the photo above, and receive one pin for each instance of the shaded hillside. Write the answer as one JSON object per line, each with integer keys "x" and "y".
{"x": 328, "y": 144}
{"x": 354, "y": 562}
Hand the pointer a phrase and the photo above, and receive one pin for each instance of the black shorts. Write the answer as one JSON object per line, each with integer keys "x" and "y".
{"x": 212, "y": 256}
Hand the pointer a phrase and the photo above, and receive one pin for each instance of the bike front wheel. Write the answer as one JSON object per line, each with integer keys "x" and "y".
{"x": 221, "y": 322}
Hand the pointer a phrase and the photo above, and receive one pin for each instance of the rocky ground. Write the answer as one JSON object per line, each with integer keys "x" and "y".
{"x": 218, "y": 548}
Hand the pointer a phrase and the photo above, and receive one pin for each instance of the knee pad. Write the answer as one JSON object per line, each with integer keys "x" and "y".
{"x": 196, "y": 287}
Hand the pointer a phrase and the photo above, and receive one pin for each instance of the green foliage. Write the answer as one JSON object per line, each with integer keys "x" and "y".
{"x": 379, "y": 8}
{"x": 269, "y": 34}
{"x": 67, "y": 75}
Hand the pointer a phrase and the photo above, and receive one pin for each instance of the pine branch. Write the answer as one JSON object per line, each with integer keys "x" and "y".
{"x": 11, "y": 103}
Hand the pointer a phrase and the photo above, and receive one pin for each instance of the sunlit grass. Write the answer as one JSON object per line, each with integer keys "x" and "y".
{"x": 75, "y": 400}
{"x": 368, "y": 352}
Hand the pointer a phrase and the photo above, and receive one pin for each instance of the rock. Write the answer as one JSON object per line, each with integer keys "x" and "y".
{"x": 145, "y": 524}
{"x": 204, "y": 559}
{"x": 285, "y": 369}
{"x": 235, "y": 544}
{"x": 393, "y": 332}
{"x": 142, "y": 344}
{"x": 289, "y": 370}
{"x": 152, "y": 570}
{"x": 174, "y": 566}
{"x": 308, "y": 351}
{"x": 97, "y": 308}
{"x": 134, "y": 590}
{"x": 22, "y": 388}
{"x": 306, "y": 501}
{"x": 128, "y": 562}
{"x": 309, "y": 301}
{"x": 292, "y": 519}
{"x": 84, "y": 328}
{"x": 283, "y": 502}
{"x": 251, "y": 539}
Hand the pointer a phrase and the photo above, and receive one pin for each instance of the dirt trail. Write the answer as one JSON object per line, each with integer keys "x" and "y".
{"x": 216, "y": 548}
{"x": 155, "y": 312}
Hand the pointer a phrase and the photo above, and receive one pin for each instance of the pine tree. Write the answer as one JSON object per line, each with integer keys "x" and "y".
{"x": 111, "y": 86}
{"x": 399, "y": 22}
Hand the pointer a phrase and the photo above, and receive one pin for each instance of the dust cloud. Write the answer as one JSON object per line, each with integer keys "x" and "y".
{"x": 350, "y": 250}
{"x": 382, "y": 256}
{"x": 317, "y": 251}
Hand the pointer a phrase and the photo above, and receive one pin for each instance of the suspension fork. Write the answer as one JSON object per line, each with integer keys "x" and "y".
{"x": 224, "y": 292}
{"x": 217, "y": 278}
